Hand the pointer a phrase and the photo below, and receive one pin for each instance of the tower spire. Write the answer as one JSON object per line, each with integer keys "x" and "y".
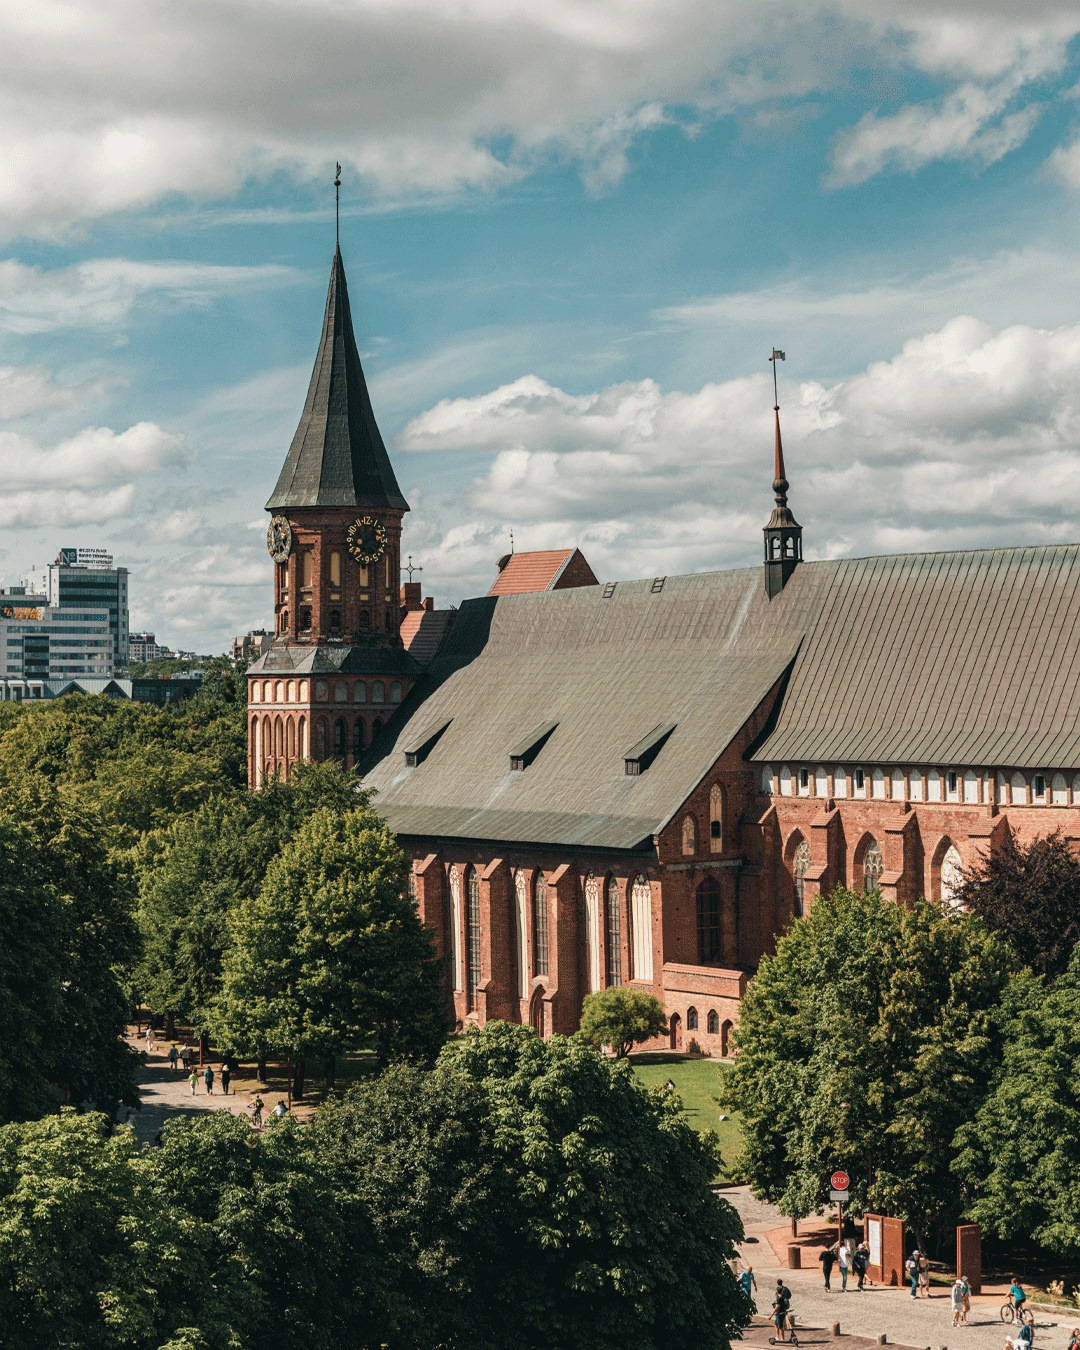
{"x": 783, "y": 533}
{"x": 337, "y": 208}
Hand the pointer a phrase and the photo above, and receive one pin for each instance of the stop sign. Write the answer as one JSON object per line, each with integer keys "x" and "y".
{"x": 840, "y": 1181}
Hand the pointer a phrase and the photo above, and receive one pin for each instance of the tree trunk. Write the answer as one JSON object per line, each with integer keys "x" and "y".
{"x": 329, "y": 1064}
{"x": 170, "y": 1027}
{"x": 204, "y": 1047}
{"x": 298, "y": 1079}
{"x": 260, "y": 1066}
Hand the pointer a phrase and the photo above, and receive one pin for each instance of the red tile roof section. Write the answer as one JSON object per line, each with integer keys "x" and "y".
{"x": 553, "y": 569}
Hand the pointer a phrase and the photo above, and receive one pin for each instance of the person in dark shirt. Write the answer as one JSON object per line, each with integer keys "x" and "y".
{"x": 828, "y": 1260}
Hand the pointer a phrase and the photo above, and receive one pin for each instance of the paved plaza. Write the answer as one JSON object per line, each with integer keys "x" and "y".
{"x": 877, "y": 1310}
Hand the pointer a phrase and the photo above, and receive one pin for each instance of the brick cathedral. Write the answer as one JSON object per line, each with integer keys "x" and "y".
{"x": 643, "y": 781}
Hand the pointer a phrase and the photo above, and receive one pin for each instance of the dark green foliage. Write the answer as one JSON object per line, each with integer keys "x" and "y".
{"x": 223, "y": 1239}
{"x": 1020, "y": 1156}
{"x": 533, "y": 1194}
{"x": 330, "y": 953}
{"x": 1032, "y": 897}
{"x": 194, "y": 875}
{"x": 621, "y": 1018}
{"x": 865, "y": 1042}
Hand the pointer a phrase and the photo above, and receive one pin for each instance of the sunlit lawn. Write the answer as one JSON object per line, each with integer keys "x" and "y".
{"x": 697, "y": 1081}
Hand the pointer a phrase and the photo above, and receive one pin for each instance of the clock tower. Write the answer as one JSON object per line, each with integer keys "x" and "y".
{"x": 337, "y": 667}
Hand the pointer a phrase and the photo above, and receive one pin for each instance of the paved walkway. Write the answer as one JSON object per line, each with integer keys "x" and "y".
{"x": 167, "y": 1095}
{"x": 878, "y": 1310}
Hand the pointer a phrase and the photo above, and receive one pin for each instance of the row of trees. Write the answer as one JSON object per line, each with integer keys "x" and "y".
{"x": 929, "y": 1053}
{"x": 519, "y": 1195}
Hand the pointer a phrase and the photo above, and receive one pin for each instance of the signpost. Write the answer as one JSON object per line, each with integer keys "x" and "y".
{"x": 839, "y": 1185}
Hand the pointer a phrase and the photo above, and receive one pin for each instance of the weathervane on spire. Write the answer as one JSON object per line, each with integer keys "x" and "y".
{"x": 337, "y": 205}
{"x": 780, "y": 483}
{"x": 511, "y": 538}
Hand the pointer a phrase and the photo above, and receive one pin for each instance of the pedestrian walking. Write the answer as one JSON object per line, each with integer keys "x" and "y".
{"x": 173, "y": 1057}
{"x": 193, "y": 1080}
{"x": 828, "y": 1260}
{"x": 845, "y": 1265}
{"x": 967, "y": 1300}
{"x": 149, "y": 1036}
{"x": 226, "y": 1078}
{"x": 208, "y": 1078}
{"x": 748, "y": 1285}
{"x": 956, "y": 1297}
{"x": 280, "y": 1110}
{"x": 256, "y": 1112}
{"x": 185, "y": 1058}
{"x": 911, "y": 1265}
{"x": 924, "y": 1274}
{"x": 859, "y": 1261}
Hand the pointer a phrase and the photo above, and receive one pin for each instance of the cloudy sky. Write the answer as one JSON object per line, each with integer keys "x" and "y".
{"x": 573, "y": 230}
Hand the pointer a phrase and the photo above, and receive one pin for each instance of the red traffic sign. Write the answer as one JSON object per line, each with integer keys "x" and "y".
{"x": 840, "y": 1181}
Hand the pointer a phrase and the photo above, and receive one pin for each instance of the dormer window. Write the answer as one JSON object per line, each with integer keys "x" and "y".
{"x": 526, "y": 751}
{"x": 638, "y": 759}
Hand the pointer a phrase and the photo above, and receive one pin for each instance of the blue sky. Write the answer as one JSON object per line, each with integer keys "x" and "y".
{"x": 573, "y": 232}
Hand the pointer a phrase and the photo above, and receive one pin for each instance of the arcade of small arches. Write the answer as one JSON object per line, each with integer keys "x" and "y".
{"x": 962, "y": 786}
{"x": 326, "y": 691}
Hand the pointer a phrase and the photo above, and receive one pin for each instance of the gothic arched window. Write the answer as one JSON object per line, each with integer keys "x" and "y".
{"x": 713, "y": 1022}
{"x": 691, "y": 1019}
{"x": 472, "y": 935}
{"x": 952, "y": 877}
{"x": 364, "y": 620}
{"x": 339, "y": 736}
{"x": 378, "y": 693}
{"x": 335, "y": 619}
{"x": 873, "y": 866}
{"x": 689, "y": 836}
{"x": 641, "y": 930}
{"x": 800, "y": 862}
{"x": 716, "y": 819}
{"x": 357, "y": 737}
{"x": 540, "y": 925}
{"x": 614, "y": 934}
{"x": 708, "y": 920}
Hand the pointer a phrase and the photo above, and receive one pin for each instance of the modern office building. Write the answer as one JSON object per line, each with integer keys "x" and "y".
{"x": 39, "y": 641}
{"x": 144, "y": 647}
{"x": 85, "y": 578}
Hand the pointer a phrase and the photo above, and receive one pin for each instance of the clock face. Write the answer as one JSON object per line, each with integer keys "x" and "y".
{"x": 279, "y": 539}
{"x": 367, "y": 539}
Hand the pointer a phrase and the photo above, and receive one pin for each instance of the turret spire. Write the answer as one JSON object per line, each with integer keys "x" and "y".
{"x": 783, "y": 533}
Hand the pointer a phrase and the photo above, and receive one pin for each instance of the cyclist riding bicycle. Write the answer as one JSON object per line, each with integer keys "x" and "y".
{"x": 1017, "y": 1297}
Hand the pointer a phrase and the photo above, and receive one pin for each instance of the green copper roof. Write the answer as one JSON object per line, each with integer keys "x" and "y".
{"x": 337, "y": 457}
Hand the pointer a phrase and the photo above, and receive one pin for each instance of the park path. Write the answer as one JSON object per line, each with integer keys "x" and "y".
{"x": 922, "y": 1322}
{"x": 167, "y": 1095}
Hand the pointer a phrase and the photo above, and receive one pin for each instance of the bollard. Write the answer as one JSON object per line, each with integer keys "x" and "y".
{"x": 836, "y": 1328}
{"x": 794, "y": 1257}
{"x": 883, "y": 1340}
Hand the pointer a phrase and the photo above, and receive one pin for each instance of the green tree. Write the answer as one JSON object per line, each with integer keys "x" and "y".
{"x": 1020, "y": 1156}
{"x": 330, "y": 953}
{"x": 864, "y": 1043}
{"x": 622, "y": 1017}
{"x": 534, "y": 1194}
{"x": 1031, "y": 895}
{"x": 68, "y": 1205}
{"x": 195, "y": 874}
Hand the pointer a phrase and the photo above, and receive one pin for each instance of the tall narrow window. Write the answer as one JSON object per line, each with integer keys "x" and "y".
{"x": 363, "y": 575}
{"x": 592, "y": 933}
{"x": 335, "y": 620}
{"x": 716, "y": 819}
{"x": 308, "y": 565}
{"x": 873, "y": 866}
{"x": 952, "y": 878}
{"x": 456, "y": 920}
{"x": 390, "y": 574}
{"x": 689, "y": 837}
{"x": 335, "y": 569}
{"x": 708, "y": 921}
{"x": 691, "y": 1019}
{"x": 339, "y": 736}
{"x": 357, "y": 737}
{"x": 800, "y": 862}
{"x": 641, "y": 930}
{"x": 521, "y": 932}
{"x": 614, "y": 934}
{"x": 472, "y": 936}
{"x": 540, "y": 925}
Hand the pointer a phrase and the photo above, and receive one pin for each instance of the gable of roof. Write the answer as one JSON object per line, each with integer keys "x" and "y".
{"x": 700, "y": 655}
{"x": 337, "y": 457}
{"x": 554, "y": 569}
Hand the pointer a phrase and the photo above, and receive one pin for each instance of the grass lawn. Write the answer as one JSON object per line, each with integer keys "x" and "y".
{"x": 697, "y": 1082}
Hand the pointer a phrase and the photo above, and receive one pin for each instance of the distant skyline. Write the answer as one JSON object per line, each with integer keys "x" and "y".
{"x": 573, "y": 231}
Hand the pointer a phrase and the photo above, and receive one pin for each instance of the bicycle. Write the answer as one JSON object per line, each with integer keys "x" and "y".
{"x": 1011, "y": 1313}
{"x": 789, "y": 1326}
